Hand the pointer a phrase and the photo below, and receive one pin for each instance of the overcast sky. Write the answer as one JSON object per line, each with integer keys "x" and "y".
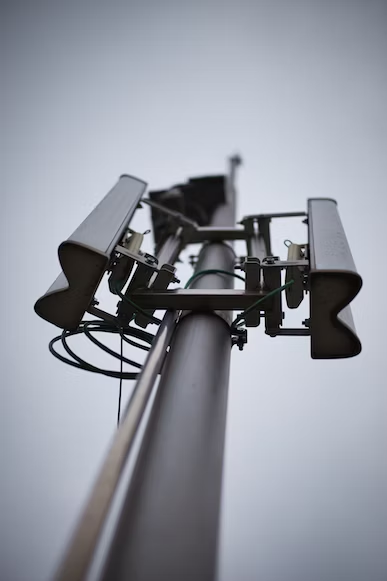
{"x": 165, "y": 91}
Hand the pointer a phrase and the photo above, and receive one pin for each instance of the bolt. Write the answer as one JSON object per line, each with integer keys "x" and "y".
{"x": 150, "y": 259}
{"x": 271, "y": 259}
{"x": 239, "y": 338}
{"x": 238, "y": 341}
{"x": 306, "y": 323}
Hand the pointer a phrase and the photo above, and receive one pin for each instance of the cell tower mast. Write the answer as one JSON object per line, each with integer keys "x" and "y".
{"x": 153, "y": 513}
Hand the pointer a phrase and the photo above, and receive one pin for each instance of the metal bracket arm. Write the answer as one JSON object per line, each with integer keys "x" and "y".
{"x": 214, "y": 234}
{"x": 266, "y": 264}
{"x": 278, "y": 215}
{"x": 199, "y": 299}
{"x": 289, "y": 332}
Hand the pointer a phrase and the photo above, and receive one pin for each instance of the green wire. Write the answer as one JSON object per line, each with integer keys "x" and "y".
{"x": 211, "y": 271}
{"x": 190, "y": 280}
{"x": 240, "y": 318}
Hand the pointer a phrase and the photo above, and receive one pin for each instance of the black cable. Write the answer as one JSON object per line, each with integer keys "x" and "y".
{"x": 134, "y": 343}
{"x": 138, "y": 345}
{"x": 87, "y": 328}
{"x": 100, "y": 326}
{"x": 82, "y": 364}
{"x": 120, "y": 388}
{"x": 107, "y": 349}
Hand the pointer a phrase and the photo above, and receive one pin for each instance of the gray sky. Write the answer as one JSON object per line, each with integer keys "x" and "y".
{"x": 164, "y": 91}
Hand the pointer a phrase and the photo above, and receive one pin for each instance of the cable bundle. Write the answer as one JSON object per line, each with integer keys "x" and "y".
{"x": 236, "y": 324}
{"x": 88, "y": 328}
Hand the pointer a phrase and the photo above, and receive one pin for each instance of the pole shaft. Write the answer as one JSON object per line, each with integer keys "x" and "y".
{"x": 169, "y": 523}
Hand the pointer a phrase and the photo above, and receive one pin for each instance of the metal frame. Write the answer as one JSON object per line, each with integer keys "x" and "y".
{"x": 169, "y": 511}
{"x": 197, "y": 299}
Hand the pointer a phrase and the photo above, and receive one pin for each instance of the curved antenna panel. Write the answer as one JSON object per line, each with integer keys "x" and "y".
{"x": 85, "y": 256}
{"x": 333, "y": 283}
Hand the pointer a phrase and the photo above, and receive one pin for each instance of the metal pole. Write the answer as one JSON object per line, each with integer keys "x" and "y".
{"x": 169, "y": 524}
{"x": 79, "y": 555}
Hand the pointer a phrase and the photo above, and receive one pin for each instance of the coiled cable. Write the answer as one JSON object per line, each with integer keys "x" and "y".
{"x": 89, "y": 327}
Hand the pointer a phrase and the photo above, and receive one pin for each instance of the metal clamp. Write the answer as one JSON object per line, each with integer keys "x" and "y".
{"x": 164, "y": 277}
{"x": 274, "y": 316}
{"x": 239, "y": 337}
{"x": 252, "y": 269}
